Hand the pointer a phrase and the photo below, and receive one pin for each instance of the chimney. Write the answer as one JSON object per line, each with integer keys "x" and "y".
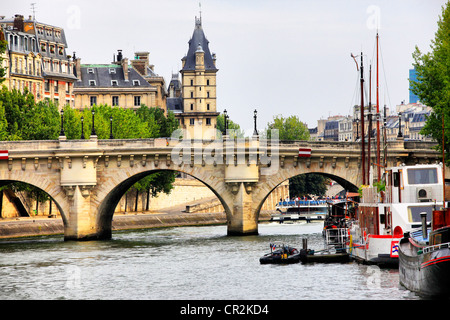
{"x": 18, "y": 22}
{"x": 140, "y": 62}
{"x": 119, "y": 55}
{"x": 125, "y": 68}
{"x": 78, "y": 68}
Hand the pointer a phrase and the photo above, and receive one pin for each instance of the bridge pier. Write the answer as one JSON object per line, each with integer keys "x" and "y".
{"x": 81, "y": 224}
{"x": 243, "y": 218}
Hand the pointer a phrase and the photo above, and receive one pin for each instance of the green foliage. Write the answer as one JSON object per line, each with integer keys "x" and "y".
{"x": 3, "y": 45}
{"x": 21, "y": 118}
{"x": 234, "y": 130}
{"x": 308, "y": 184}
{"x": 24, "y": 119}
{"x": 290, "y": 128}
{"x": 433, "y": 80}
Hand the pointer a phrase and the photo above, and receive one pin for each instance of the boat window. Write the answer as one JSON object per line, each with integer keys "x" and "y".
{"x": 422, "y": 176}
{"x": 414, "y": 213}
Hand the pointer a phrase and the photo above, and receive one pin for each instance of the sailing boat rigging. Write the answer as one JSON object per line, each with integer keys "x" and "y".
{"x": 383, "y": 217}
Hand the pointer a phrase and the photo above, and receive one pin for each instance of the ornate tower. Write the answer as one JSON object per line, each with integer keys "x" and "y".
{"x": 198, "y": 76}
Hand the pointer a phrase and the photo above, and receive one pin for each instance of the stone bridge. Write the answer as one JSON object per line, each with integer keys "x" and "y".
{"x": 86, "y": 178}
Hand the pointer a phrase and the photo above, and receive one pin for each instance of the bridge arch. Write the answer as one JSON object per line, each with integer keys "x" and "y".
{"x": 346, "y": 176}
{"x": 110, "y": 193}
{"x": 48, "y": 185}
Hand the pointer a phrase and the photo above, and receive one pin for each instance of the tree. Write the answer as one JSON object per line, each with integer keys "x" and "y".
{"x": 3, "y": 46}
{"x": 235, "y": 130}
{"x": 433, "y": 80}
{"x": 292, "y": 128}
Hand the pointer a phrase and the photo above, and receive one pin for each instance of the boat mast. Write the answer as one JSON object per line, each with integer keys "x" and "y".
{"x": 369, "y": 115}
{"x": 443, "y": 161}
{"x": 378, "y": 125}
{"x": 363, "y": 144}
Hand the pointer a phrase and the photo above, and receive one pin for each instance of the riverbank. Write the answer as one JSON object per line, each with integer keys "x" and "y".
{"x": 43, "y": 226}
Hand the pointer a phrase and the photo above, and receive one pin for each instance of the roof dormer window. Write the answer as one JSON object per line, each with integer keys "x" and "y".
{"x": 114, "y": 83}
{"x": 90, "y": 70}
{"x": 136, "y": 83}
{"x": 92, "y": 83}
{"x": 112, "y": 71}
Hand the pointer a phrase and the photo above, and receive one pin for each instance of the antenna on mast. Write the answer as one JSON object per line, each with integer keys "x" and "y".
{"x": 33, "y": 8}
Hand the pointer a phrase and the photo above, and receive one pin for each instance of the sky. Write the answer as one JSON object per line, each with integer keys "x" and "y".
{"x": 280, "y": 57}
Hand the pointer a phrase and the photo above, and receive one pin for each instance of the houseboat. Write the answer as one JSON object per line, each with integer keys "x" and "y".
{"x": 383, "y": 216}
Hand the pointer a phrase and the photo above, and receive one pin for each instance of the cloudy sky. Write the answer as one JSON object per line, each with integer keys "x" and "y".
{"x": 288, "y": 57}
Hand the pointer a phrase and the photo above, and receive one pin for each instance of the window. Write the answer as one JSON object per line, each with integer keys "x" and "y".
{"x": 192, "y": 106}
{"x": 207, "y": 106}
{"x": 93, "y": 100}
{"x": 92, "y": 83}
{"x": 192, "y": 94}
{"x": 192, "y": 82}
{"x": 208, "y": 121}
{"x": 56, "y": 85}
{"x": 90, "y": 70}
{"x": 114, "y": 83}
{"x": 47, "y": 85}
{"x": 137, "y": 101}
{"x": 191, "y": 121}
{"x": 115, "y": 100}
{"x": 136, "y": 83}
{"x": 207, "y": 94}
{"x": 207, "y": 82}
{"x": 422, "y": 176}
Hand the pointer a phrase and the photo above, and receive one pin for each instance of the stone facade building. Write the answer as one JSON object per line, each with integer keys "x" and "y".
{"x": 196, "y": 104}
{"x": 118, "y": 84}
{"x": 36, "y": 59}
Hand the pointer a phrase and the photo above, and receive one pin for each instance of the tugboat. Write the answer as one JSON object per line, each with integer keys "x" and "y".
{"x": 281, "y": 254}
{"x": 424, "y": 257}
{"x": 383, "y": 217}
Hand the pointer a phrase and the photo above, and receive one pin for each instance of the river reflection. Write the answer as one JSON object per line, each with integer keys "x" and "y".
{"x": 184, "y": 263}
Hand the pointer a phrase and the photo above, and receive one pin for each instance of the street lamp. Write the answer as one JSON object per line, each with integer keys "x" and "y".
{"x": 357, "y": 128}
{"x": 400, "y": 134}
{"x": 93, "y": 124}
{"x": 255, "y": 114}
{"x": 110, "y": 127}
{"x": 82, "y": 127}
{"x": 61, "y": 134}
{"x": 225, "y": 120}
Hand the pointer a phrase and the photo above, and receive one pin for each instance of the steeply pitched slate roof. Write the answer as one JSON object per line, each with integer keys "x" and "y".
{"x": 175, "y": 104}
{"x": 103, "y": 77}
{"x": 198, "y": 38}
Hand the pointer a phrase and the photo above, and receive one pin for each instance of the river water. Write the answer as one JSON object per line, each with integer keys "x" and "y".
{"x": 185, "y": 263}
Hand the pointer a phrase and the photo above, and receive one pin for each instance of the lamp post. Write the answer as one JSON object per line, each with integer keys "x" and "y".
{"x": 400, "y": 134}
{"x": 225, "y": 120}
{"x": 357, "y": 128}
{"x": 82, "y": 127}
{"x": 255, "y": 115}
{"x": 61, "y": 134}
{"x": 110, "y": 127}
{"x": 93, "y": 124}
